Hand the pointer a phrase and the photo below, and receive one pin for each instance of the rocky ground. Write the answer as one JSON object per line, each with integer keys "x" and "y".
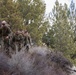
{"x": 38, "y": 61}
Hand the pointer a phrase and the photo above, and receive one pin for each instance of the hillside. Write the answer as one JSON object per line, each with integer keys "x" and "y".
{"x": 38, "y": 61}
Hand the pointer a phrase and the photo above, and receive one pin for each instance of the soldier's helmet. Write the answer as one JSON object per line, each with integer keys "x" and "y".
{"x": 18, "y": 32}
{"x": 4, "y": 22}
{"x": 22, "y": 32}
{"x": 25, "y": 31}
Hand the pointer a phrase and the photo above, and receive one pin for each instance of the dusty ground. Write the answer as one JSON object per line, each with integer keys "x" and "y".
{"x": 38, "y": 61}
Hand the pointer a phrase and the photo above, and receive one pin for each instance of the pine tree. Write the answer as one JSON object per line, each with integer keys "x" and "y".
{"x": 62, "y": 30}
{"x": 72, "y": 18}
{"x": 33, "y": 12}
{"x": 25, "y": 14}
{"x": 10, "y": 13}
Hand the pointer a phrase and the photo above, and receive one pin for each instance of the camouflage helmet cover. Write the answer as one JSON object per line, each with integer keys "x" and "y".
{"x": 4, "y": 22}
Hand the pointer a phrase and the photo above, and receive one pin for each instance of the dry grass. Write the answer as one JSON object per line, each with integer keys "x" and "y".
{"x": 38, "y": 61}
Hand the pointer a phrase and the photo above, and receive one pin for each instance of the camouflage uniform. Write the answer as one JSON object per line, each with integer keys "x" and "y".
{"x": 17, "y": 40}
{"x": 0, "y": 35}
{"x": 6, "y": 31}
{"x": 27, "y": 40}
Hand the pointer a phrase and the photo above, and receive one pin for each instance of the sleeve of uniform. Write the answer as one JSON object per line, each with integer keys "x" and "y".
{"x": 29, "y": 37}
{"x": 9, "y": 31}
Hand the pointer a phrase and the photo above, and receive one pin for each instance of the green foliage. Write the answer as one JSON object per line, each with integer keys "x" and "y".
{"x": 10, "y": 13}
{"x": 30, "y": 15}
{"x": 62, "y": 30}
{"x": 49, "y": 39}
{"x": 25, "y": 14}
{"x": 33, "y": 18}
